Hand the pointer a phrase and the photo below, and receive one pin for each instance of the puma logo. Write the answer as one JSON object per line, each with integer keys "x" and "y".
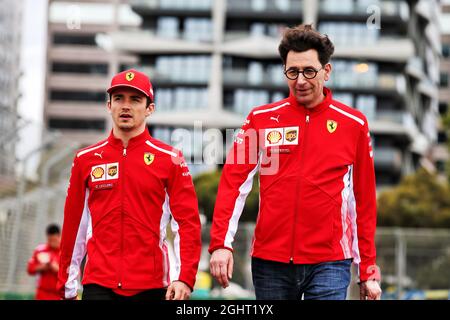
{"x": 99, "y": 155}
{"x": 275, "y": 119}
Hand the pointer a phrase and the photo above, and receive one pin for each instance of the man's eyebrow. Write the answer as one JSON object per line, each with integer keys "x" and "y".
{"x": 305, "y": 67}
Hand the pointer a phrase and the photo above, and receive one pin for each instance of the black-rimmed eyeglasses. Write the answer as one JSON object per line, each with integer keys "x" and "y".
{"x": 308, "y": 73}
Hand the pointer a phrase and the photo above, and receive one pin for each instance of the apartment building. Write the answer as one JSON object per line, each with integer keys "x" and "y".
{"x": 212, "y": 61}
{"x": 80, "y": 66}
{"x": 441, "y": 155}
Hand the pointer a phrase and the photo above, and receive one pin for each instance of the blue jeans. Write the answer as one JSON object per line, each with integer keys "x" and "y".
{"x": 287, "y": 281}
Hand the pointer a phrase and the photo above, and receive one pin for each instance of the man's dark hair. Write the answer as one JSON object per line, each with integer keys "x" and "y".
{"x": 52, "y": 229}
{"x": 303, "y": 38}
{"x": 147, "y": 103}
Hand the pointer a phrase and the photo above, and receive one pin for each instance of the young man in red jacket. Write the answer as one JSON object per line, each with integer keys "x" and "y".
{"x": 123, "y": 192}
{"x": 317, "y": 186}
{"x": 45, "y": 264}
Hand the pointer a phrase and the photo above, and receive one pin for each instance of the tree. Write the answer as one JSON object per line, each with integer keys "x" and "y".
{"x": 420, "y": 200}
{"x": 446, "y": 123}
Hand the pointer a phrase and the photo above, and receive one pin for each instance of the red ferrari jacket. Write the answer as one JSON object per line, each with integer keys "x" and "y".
{"x": 317, "y": 185}
{"x": 119, "y": 203}
{"x": 46, "y": 280}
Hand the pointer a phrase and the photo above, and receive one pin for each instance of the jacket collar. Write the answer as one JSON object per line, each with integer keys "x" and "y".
{"x": 318, "y": 108}
{"x": 139, "y": 139}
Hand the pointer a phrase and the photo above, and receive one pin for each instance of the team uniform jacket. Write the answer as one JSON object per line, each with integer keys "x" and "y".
{"x": 118, "y": 205}
{"x": 317, "y": 185}
{"x": 46, "y": 280}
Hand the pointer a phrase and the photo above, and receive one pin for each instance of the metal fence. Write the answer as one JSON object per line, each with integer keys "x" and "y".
{"x": 415, "y": 263}
{"x": 26, "y": 208}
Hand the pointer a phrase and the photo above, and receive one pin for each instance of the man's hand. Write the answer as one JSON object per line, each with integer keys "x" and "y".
{"x": 369, "y": 290}
{"x": 42, "y": 267}
{"x": 221, "y": 266}
{"x": 54, "y": 266}
{"x": 178, "y": 290}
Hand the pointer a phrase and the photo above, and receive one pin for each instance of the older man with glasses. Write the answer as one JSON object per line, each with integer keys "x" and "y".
{"x": 317, "y": 211}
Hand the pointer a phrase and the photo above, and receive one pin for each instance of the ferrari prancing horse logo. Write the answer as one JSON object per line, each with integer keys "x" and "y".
{"x": 129, "y": 76}
{"x": 148, "y": 158}
{"x": 331, "y": 126}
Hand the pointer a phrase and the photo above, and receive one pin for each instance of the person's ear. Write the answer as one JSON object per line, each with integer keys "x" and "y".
{"x": 108, "y": 106}
{"x": 328, "y": 70}
{"x": 150, "y": 109}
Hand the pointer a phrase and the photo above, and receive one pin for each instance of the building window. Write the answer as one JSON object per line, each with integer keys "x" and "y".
{"x": 354, "y": 74}
{"x": 184, "y": 4}
{"x": 77, "y": 124}
{"x": 190, "y": 69}
{"x": 444, "y": 80}
{"x": 442, "y": 137}
{"x": 246, "y": 100}
{"x": 182, "y": 98}
{"x": 367, "y": 104}
{"x": 88, "y": 68}
{"x": 198, "y": 29}
{"x": 443, "y": 107}
{"x": 353, "y": 34}
{"x": 77, "y": 96}
{"x": 446, "y": 50}
{"x": 72, "y": 39}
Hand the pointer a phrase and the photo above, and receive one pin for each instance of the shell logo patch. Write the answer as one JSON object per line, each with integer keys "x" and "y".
{"x": 331, "y": 126}
{"x": 97, "y": 173}
{"x": 274, "y": 137}
{"x": 129, "y": 76}
{"x": 148, "y": 158}
{"x": 104, "y": 172}
{"x": 281, "y": 136}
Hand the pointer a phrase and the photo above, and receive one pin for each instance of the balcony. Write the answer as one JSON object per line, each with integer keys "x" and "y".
{"x": 392, "y": 116}
{"x": 392, "y": 12}
{"x": 383, "y": 49}
{"x": 149, "y": 42}
{"x": 177, "y": 8}
{"x": 172, "y": 73}
{"x": 382, "y": 85}
{"x": 80, "y": 110}
{"x": 87, "y": 82}
{"x": 267, "y": 10}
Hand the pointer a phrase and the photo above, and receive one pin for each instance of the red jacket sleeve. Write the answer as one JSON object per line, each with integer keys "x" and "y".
{"x": 366, "y": 210}
{"x": 73, "y": 238}
{"x": 185, "y": 222}
{"x": 235, "y": 185}
{"x": 33, "y": 263}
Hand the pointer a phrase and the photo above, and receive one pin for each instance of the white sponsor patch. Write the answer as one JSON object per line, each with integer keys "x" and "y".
{"x": 281, "y": 136}
{"x": 98, "y": 173}
{"x": 290, "y": 136}
{"x": 273, "y": 137}
{"x": 104, "y": 172}
{"x": 112, "y": 171}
